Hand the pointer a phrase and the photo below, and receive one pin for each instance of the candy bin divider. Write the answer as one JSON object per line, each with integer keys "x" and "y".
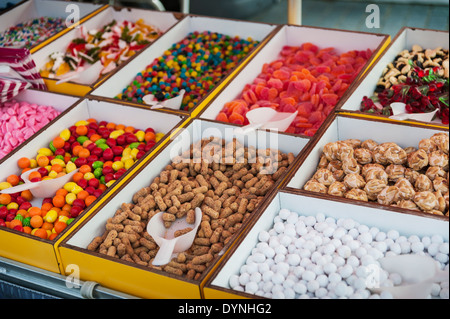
{"x": 32, "y": 9}
{"x": 293, "y": 36}
{"x": 102, "y": 268}
{"x": 217, "y": 286}
{"x": 163, "y": 20}
{"x": 341, "y": 127}
{"x": 43, "y": 253}
{"x": 114, "y": 84}
{"x": 404, "y": 39}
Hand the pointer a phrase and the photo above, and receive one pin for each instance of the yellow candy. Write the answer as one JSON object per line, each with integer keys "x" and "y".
{"x": 70, "y": 197}
{"x": 65, "y": 134}
{"x": 134, "y": 153}
{"x": 128, "y": 163}
{"x": 77, "y": 189}
{"x": 70, "y": 167}
{"x": 69, "y": 186}
{"x": 12, "y": 205}
{"x": 126, "y": 152}
{"x": 51, "y": 216}
{"x": 33, "y": 231}
{"x": 52, "y": 174}
{"x": 140, "y": 135}
{"x": 117, "y": 165}
{"x": 63, "y": 219}
{"x": 159, "y": 136}
{"x": 79, "y": 123}
{"x": 126, "y": 158}
{"x": 45, "y": 151}
{"x": 4, "y": 185}
{"x": 88, "y": 176}
{"x": 33, "y": 163}
{"x": 57, "y": 161}
{"x": 47, "y": 178}
{"x": 48, "y": 233}
{"x": 116, "y": 134}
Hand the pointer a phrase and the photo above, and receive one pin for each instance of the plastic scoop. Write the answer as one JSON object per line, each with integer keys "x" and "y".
{"x": 399, "y": 113}
{"x": 84, "y": 75}
{"x": 418, "y": 275}
{"x": 165, "y": 237}
{"x": 267, "y": 118}
{"x": 173, "y": 103}
{"x": 43, "y": 189}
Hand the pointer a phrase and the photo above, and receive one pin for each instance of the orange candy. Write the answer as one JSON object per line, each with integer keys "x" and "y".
{"x": 34, "y": 211}
{"x": 27, "y": 195}
{"x": 85, "y": 169}
{"x": 34, "y": 174}
{"x": 90, "y": 199}
{"x": 14, "y": 223}
{"x": 43, "y": 161}
{"x": 5, "y": 199}
{"x": 84, "y": 153}
{"x": 77, "y": 177}
{"x": 59, "y": 227}
{"x": 36, "y": 221}
{"x": 81, "y": 130}
{"x": 53, "y": 236}
{"x": 41, "y": 233}
{"x": 24, "y": 162}
{"x": 76, "y": 150}
{"x": 13, "y": 180}
{"x": 59, "y": 201}
{"x": 58, "y": 142}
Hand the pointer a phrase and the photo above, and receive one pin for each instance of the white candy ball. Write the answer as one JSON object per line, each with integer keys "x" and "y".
{"x": 284, "y": 213}
{"x": 365, "y": 238}
{"x": 328, "y": 232}
{"x": 374, "y": 231}
{"x": 353, "y": 261}
{"x": 401, "y": 239}
{"x": 338, "y": 261}
{"x": 310, "y": 245}
{"x": 320, "y": 217}
{"x": 244, "y": 279}
{"x": 329, "y": 249}
{"x": 354, "y": 245}
{"x": 263, "y": 267}
{"x": 413, "y": 239}
{"x": 259, "y": 258}
{"x": 396, "y": 279}
{"x": 359, "y": 284}
{"x": 437, "y": 239}
{"x": 443, "y": 248}
{"x": 278, "y": 295}
{"x": 298, "y": 271}
{"x": 279, "y": 227}
{"x": 279, "y": 258}
{"x": 313, "y": 285}
{"x": 395, "y": 248}
{"x": 433, "y": 249}
{"x": 360, "y": 252}
{"x": 443, "y": 258}
{"x": 234, "y": 281}
{"x": 310, "y": 220}
{"x": 417, "y": 247}
{"x": 334, "y": 277}
{"x": 386, "y": 295}
{"x": 289, "y": 283}
{"x": 322, "y": 280}
{"x": 393, "y": 234}
{"x": 308, "y": 275}
{"x": 321, "y": 292}
{"x": 426, "y": 241}
{"x": 339, "y": 232}
{"x": 267, "y": 276}
{"x": 293, "y": 260}
{"x": 285, "y": 240}
{"x": 435, "y": 290}
{"x": 381, "y": 246}
{"x": 251, "y": 287}
{"x": 289, "y": 293}
{"x": 380, "y": 236}
{"x": 336, "y": 242}
{"x": 348, "y": 223}
{"x": 344, "y": 251}
{"x": 256, "y": 277}
{"x": 300, "y": 288}
{"x": 267, "y": 286}
{"x": 329, "y": 268}
{"x": 362, "y": 272}
{"x": 341, "y": 289}
{"x": 277, "y": 278}
{"x": 292, "y": 218}
{"x": 406, "y": 247}
{"x": 346, "y": 271}
{"x": 239, "y": 288}
{"x": 263, "y": 236}
{"x": 346, "y": 239}
{"x": 301, "y": 231}
{"x": 354, "y": 233}
{"x": 291, "y": 232}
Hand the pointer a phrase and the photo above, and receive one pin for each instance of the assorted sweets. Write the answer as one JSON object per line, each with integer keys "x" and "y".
{"x": 112, "y": 44}
{"x": 101, "y": 152}
{"x": 195, "y": 64}
{"x": 322, "y": 257}
{"x": 30, "y": 33}
{"x": 414, "y": 178}
{"x": 19, "y": 121}
{"x": 417, "y": 77}
{"x": 227, "y": 187}
{"x": 307, "y": 79}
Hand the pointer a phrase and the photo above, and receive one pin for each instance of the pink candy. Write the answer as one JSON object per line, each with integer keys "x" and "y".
{"x": 19, "y": 121}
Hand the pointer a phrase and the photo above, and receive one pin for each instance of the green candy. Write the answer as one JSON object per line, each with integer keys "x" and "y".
{"x": 26, "y": 222}
{"x": 60, "y": 157}
{"x": 82, "y": 139}
{"x": 69, "y": 221}
{"x": 100, "y": 141}
{"x": 19, "y": 217}
{"x": 134, "y": 145}
{"x": 103, "y": 146}
{"x": 97, "y": 164}
{"x": 51, "y": 147}
{"x": 98, "y": 173}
